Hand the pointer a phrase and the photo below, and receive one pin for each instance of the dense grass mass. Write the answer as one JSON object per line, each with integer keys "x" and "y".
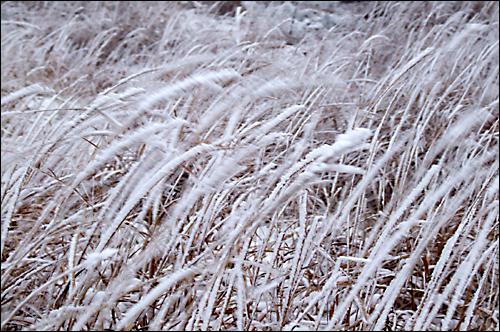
{"x": 197, "y": 165}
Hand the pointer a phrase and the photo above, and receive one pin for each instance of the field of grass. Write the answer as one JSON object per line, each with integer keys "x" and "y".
{"x": 277, "y": 166}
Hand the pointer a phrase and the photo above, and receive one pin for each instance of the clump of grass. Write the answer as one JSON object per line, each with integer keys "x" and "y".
{"x": 166, "y": 166}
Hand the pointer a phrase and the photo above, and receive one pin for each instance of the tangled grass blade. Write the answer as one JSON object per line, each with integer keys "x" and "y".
{"x": 34, "y": 89}
{"x": 164, "y": 285}
{"x": 209, "y": 80}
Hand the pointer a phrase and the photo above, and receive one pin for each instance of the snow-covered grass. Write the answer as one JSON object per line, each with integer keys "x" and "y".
{"x": 278, "y": 166}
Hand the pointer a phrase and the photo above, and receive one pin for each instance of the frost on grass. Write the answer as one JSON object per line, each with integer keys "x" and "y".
{"x": 202, "y": 165}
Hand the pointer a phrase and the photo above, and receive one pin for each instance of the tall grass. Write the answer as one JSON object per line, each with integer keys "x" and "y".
{"x": 166, "y": 166}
